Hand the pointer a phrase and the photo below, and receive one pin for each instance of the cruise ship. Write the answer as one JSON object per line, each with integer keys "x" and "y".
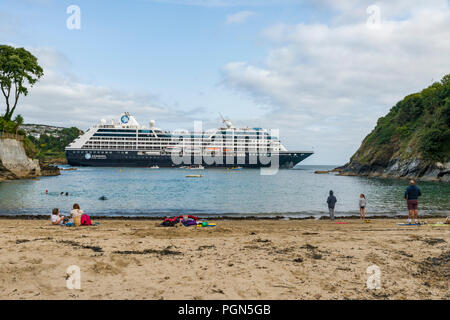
{"x": 126, "y": 143}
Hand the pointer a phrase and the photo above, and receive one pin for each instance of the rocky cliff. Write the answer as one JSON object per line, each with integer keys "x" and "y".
{"x": 414, "y": 168}
{"x": 14, "y": 163}
{"x": 411, "y": 141}
{"x": 5, "y": 174}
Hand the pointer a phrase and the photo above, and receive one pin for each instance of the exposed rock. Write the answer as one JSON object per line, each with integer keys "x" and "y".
{"x": 339, "y": 169}
{"x": 53, "y": 161}
{"x": 396, "y": 168}
{"x": 47, "y": 171}
{"x": 5, "y": 174}
{"x": 14, "y": 163}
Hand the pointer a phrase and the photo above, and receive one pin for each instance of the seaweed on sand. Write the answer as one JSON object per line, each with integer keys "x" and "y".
{"x": 308, "y": 247}
{"x": 433, "y": 241}
{"x": 79, "y": 245}
{"x": 19, "y": 241}
{"x": 436, "y": 268}
{"x": 163, "y": 252}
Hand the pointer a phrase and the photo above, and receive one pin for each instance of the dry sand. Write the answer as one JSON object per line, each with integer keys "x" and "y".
{"x": 262, "y": 259}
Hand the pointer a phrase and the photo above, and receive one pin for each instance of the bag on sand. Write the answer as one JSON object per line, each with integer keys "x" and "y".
{"x": 77, "y": 221}
{"x": 170, "y": 222}
{"x": 85, "y": 220}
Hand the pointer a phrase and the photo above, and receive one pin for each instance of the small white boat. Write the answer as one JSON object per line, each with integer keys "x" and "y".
{"x": 199, "y": 167}
{"x": 194, "y": 176}
{"x": 154, "y": 167}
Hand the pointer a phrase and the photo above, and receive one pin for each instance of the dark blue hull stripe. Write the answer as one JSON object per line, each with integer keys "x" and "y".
{"x": 132, "y": 159}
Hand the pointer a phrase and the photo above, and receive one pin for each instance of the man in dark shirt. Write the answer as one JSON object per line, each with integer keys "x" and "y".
{"x": 412, "y": 194}
{"x": 331, "y": 203}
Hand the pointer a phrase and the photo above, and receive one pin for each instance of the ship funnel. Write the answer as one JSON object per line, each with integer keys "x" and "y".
{"x": 152, "y": 123}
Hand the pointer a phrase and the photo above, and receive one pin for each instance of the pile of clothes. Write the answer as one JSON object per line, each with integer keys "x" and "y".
{"x": 186, "y": 220}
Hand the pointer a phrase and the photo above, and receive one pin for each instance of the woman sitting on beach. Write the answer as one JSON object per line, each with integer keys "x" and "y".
{"x": 362, "y": 206}
{"x": 55, "y": 218}
{"x": 75, "y": 215}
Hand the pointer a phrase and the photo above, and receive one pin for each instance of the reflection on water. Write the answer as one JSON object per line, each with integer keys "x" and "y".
{"x": 143, "y": 191}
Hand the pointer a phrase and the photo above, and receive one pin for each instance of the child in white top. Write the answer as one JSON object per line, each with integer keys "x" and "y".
{"x": 362, "y": 206}
{"x": 55, "y": 218}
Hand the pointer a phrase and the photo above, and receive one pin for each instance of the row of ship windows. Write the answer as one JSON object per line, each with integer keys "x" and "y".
{"x": 148, "y": 137}
{"x": 156, "y": 157}
{"x": 158, "y": 149}
{"x": 174, "y": 140}
{"x": 177, "y": 136}
{"x": 97, "y": 152}
{"x": 126, "y": 152}
{"x": 150, "y": 149}
{"x": 226, "y": 143}
{"x": 206, "y": 134}
{"x": 170, "y": 144}
{"x": 182, "y": 142}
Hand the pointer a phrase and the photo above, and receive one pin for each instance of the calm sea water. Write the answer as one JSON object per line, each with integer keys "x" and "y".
{"x": 143, "y": 191}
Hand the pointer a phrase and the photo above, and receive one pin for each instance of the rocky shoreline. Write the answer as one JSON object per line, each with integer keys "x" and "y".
{"x": 396, "y": 168}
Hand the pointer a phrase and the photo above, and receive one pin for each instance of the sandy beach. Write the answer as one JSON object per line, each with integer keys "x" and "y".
{"x": 238, "y": 259}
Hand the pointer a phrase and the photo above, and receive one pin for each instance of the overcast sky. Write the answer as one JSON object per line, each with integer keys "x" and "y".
{"x": 322, "y": 72}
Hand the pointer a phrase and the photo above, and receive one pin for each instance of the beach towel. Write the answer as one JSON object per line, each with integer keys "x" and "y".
{"x": 85, "y": 220}
{"x": 206, "y": 224}
{"x": 189, "y": 222}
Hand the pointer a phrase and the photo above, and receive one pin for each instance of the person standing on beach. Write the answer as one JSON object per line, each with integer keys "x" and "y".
{"x": 331, "y": 203}
{"x": 412, "y": 195}
{"x": 362, "y": 206}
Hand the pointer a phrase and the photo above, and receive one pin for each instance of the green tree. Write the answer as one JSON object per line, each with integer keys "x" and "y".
{"x": 19, "y": 121}
{"x": 18, "y": 67}
{"x": 432, "y": 143}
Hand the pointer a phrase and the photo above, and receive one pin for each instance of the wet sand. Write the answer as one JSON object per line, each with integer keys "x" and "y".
{"x": 248, "y": 259}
